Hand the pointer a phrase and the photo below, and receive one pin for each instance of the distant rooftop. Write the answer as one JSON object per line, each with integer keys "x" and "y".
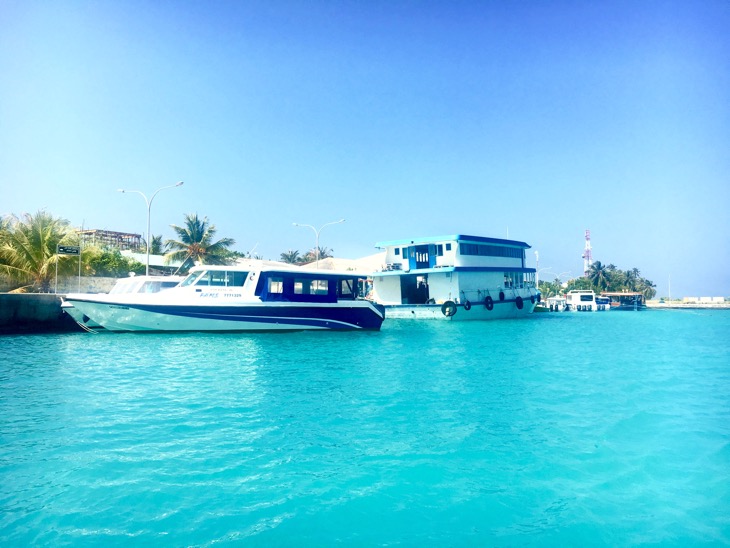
{"x": 120, "y": 240}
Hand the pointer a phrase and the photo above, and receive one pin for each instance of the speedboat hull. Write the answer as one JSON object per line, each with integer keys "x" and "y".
{"x": 120, "y": 316}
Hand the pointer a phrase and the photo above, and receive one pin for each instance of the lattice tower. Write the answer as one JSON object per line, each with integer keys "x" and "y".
{"x": 587, "y": 258}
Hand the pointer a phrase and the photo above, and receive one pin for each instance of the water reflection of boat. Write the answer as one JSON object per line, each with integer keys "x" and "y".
{"x": 130, "y": 285}
{"x": 250, "y": 297}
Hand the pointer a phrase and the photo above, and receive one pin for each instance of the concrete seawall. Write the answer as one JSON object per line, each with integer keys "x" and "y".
{"x": 33, "y": 313}
{"x": 678, "y": 305}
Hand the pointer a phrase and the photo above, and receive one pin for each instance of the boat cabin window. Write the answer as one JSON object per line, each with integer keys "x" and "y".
{"x": 310, "y": 287}
{"x": 276, "y": 285}
{"x": 156, "y": 286}
{"x": 216, "y": 278}
{"x": 222, "y": 278}
{"x": 440, "y": 250}
{"x": 514, "y": 280}
{"x": 313, "y": 288}
{"x": 486, "y": 250}
{"x": 397, "y": 251}
{"x": 586, "y": 298}
{"x": 348, "y": 289}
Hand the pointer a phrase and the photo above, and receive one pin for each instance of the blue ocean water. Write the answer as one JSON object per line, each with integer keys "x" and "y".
{"x": 562, "y": 429}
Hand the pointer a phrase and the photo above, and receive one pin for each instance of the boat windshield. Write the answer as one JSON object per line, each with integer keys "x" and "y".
{"x": 126, "y": 285}
{"x": 192, "y": 278}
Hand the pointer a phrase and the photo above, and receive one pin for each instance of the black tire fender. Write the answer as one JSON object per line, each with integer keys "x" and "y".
{"x": 448, "y": 309}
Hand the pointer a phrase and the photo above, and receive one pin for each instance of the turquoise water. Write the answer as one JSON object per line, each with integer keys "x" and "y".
{"x": 563, "y": 429}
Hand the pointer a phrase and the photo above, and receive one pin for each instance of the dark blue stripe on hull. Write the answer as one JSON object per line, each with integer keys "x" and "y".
{"x": 322, "y": 317}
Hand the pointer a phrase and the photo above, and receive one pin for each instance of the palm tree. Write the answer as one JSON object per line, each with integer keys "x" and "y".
{"x": 633, "y": 279}
{"x": 598, "y": 275}
{"x": 156, "y": 245}
{"x": 647, "y": 288}
{"x": 311, "y": 255}
{"x": 291, "y": 257}
{"x": 28, "y": 250}
{"x": 550, "y": 289}
{"x": 196, "y": 242}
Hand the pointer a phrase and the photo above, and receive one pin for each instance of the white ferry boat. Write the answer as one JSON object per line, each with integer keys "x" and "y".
{"x": 132, "y": 284}
{"x": 239, "y": 298}
{"x": 456, "y": 278}
{"x": 584, "y": 300}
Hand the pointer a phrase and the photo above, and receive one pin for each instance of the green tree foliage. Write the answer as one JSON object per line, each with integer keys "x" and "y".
{"x": 109, "y": 262}
{"x": 196, "y": 243}
{"x": 157, "y": 247}
{"x": 291, "y": 257}
{"x": 551, "y": 289}
{"x": 599, "y": 276}
{"x": 28, "y": 244}
{"x": 603, "y": 278}
{"x": 311, "y": 255}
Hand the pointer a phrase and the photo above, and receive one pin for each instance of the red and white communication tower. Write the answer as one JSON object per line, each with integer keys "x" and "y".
{"x": 587, "y": 258}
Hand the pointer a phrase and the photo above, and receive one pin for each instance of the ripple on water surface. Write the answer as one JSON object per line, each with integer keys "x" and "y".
{"x": 596, "y": 428}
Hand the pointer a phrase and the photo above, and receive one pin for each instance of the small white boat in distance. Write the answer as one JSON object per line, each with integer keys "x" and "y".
{"x": 455, "y": 278}
{"x": 132, "y": 284}
{"x": 584, "y": 300}
{"x": 551, "y": 304}
{"x": 252, "y": 297}
{"x": 556, "y": 304}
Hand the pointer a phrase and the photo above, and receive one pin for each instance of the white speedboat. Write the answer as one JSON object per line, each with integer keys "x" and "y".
{"x": 132, "y": 284}
{"x": 584, "y": 300}
{"x": 239, "y": 298}
{"x": 456, "y": 278}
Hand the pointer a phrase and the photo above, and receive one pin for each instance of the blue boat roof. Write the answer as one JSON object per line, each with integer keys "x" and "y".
{"x": 452, "y": 238}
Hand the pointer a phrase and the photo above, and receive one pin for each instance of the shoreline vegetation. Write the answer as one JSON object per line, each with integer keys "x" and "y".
{"x": 31, "y": 260}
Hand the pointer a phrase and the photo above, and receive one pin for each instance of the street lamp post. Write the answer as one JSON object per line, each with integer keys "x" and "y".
{"x": 316, "y": 233}
{"x": 149, "y": 210}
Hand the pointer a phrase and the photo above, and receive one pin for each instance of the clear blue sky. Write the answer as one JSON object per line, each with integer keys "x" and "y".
{"x": 535, "y": 120}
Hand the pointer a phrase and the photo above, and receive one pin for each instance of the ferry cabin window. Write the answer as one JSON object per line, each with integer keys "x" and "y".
{"x": 397, "y": 251}
{"x": 348, "y": 289}
{"x": 440, "y": 250}
{"x": 514, "y": 280}
{"x": 222, "y": 278}
{"x": 310, "y": 287}
{"x": 448, "y": 247}
{"x": 588, "y": 298}
{"x": 276, "y": 285}
{"x": 485, "y": 250}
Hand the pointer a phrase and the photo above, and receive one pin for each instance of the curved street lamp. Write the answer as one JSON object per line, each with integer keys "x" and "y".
{"x": 316, "y": 233}
{"x": 548, "y": 269}
{"x": 149, "y": 209}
